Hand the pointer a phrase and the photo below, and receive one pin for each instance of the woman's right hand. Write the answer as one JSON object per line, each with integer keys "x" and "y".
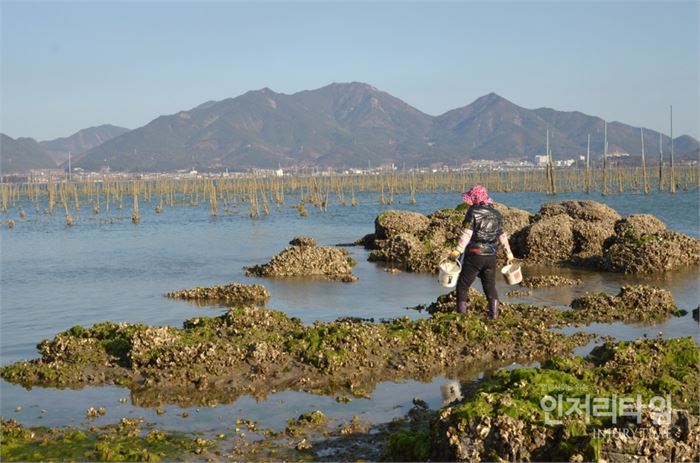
{"x": 454, "y": 254}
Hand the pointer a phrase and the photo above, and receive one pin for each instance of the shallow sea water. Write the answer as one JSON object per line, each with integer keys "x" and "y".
{"x": 106, "y": 268}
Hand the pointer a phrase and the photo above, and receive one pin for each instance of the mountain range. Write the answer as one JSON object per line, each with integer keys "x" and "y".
{"x": 81, "y": 141}
{"x": 348, "y": 125}
{"x": 23, "y": 154}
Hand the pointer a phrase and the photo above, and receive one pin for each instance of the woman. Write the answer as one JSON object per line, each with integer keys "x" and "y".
{"x": 482, "y": 231}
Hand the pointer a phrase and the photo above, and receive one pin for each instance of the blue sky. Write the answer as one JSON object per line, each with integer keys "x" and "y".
{"x": 67, "y": 66}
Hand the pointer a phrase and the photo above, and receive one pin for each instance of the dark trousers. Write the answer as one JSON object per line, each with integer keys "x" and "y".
{"x": 477, "y": 265}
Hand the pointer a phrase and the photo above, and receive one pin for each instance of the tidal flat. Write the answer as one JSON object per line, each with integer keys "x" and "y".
{"x": 111, "y": 282}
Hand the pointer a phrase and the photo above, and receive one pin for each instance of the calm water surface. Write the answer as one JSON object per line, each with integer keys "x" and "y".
{"x": 106, "y": 268}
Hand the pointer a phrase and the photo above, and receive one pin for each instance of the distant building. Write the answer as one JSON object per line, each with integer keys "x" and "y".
{"x": 541, "y": 160}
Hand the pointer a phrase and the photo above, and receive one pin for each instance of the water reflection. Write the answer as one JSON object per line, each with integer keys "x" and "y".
{"x": 451, "y": 392}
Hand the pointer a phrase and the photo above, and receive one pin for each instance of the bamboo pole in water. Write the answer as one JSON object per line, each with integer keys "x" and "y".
{"x": 645, "y": 180}
{"x": 672, "y": 180}
{"x": 588, "y": 166}
{"x": 135, "y": 214}
{"x": 605, "y": 161}
{"x": 661, "y": 162}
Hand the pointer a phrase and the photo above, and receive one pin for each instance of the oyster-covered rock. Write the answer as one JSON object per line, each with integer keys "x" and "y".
{"x": 642, "y": 244}
{"x": 417, "y": 243}
{"x": 636, "y": 303}
{"x": 231, "y": 294}
{"x": 549, "y": 281}
{"x": 304, "y": 258}
{"x": 391, "y": 223}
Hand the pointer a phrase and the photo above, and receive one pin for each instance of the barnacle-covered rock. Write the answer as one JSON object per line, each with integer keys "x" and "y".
{"x": 549, "y": 281}
{"x": 548, "y": 240}
{"x": 636, "y": 303}
{"x": 447, "y": 303}
{"x": 519, "y": 293}
{"x": 514, "y": 219}
{"x": 642, "y": 245}
{"x": 314, "y": 420}
{"x": 404, "y": 250}
{"x": 417, "y": 243}
{"x": 308, "y": 260}
{"x": 589, "y": 237}
{"x": 303, "y": 241}
{"x": 566, "y": 231}
{"x": 637, "y": 225}
{"x": 391, "y": 223}
{"x": 587, "y": 210}
{"x": 231, "y": 294}
{"x": 591, "y": 234}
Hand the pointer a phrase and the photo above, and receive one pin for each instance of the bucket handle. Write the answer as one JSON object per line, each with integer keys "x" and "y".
{"x": 447, "y": 259}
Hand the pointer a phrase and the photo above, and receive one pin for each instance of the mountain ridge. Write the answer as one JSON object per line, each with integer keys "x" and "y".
{"x": 81, "y": 141}
{"x": 355, "y": 124}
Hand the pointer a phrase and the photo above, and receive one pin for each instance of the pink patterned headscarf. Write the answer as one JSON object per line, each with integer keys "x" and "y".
{"x": 477, "y": 195}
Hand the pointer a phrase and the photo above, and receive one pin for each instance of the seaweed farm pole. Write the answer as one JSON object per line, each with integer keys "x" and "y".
{"x": 644, "y": 166}
{"x": 213, "y": 204}
{"x": 550, "y": 169}
{"x": 588, "y": 165}
{"x": 605, "y": 161}
{"x": 672, "y": 180}
{"x": 135, "y": 214}
{"x": 661, "y": 162}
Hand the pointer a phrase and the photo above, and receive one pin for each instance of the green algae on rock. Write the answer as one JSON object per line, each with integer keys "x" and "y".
{"x": 231, "y": 294}
{"x": 304, "y": 258}
{"x": 126, "y": 441}
{"x": 509, "y": 416}
{"x": 256, "y": 351}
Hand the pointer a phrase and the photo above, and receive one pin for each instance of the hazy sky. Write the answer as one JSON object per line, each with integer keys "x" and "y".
{"x": 67, "y": 66}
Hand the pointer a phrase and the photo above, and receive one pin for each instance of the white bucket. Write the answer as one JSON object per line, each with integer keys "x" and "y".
{"x": 449, "y": 273}
{"x": 513, "y": 274}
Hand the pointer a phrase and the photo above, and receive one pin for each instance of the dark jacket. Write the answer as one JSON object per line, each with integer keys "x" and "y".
{"x": 487, "y": 225}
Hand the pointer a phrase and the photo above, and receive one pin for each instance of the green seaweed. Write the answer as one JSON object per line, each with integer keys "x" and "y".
{"x": 123, "y": 442}
{"x": 406, "y": 445}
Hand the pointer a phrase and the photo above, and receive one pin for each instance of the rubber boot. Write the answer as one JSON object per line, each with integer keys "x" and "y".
{"x": 493, "y": 309}
{"x": 462, "y": 306}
